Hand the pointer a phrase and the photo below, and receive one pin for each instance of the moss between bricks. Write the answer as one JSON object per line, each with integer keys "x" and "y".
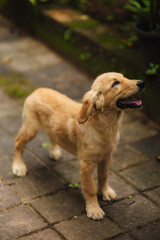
{"x": 16, "y": 86}
{"x": 83, "y": 24}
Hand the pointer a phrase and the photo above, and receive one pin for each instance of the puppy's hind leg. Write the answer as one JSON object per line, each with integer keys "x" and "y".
{"x": 54, "y": 151}
{"x": 26, "y": 134}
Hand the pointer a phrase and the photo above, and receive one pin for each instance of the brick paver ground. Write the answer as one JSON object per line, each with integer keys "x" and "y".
{"x": 41, "y": 205}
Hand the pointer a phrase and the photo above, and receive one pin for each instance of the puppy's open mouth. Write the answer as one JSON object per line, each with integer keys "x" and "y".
{"x": 129, "y": 103}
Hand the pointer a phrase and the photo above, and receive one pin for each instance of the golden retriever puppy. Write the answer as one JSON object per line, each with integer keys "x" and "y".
{"x": 89, "y": 130}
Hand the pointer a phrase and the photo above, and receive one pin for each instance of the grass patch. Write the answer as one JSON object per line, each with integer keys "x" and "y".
{"x": 84, "y": 24}
{"x": 16, "y": 86}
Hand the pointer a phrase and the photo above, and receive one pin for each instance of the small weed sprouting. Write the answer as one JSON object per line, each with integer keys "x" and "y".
{"x": 153, "y": 69}
{"x": 67, "y": 34}
{"x": 74, "y": 185}
{"x": 45, "y": 145}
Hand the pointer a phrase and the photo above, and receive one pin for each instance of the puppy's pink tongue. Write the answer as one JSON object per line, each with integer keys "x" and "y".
{"x": 136, "y": 102}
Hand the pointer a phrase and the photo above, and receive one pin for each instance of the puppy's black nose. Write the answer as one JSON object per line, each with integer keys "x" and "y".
{"x": 141, "y": 84}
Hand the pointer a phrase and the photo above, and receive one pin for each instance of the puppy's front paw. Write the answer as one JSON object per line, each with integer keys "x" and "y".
{"x": 19, "y": 169}
{"x": 109, "y": 194}
{"x": 95, "y": 213}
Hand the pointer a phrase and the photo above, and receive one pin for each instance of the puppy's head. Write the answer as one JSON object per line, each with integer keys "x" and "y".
{"x": 110, "y": 91}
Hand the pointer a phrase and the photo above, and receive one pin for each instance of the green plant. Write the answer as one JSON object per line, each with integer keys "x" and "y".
{"x": 75, "y": 185}
{"x": 147, "y": 9}
{"x": 67, "y": 34}
{"x": 110, "y": 17}
{"x": 33, "y": 2}
{"x": 45, "y": 145}
{"x": 84, "y": 56}
{"x": 153, "y": 69}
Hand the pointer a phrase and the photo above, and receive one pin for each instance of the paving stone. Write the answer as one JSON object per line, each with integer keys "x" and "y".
{"x": 24, "y": 44}
{"x": 11, "y": 124}
{"x": 43, "y": 155}
{"x": 82, "y": 228}
{"x": 3, "y": 69}
{"x": 136, "y": 131}
{"x": 2, "y": 133}
{"x": 36, "y": 184}
{"x": 46, "y": 77}
{"x": 47, "y": 234}
{"x": 7, "y": 197}
{"x": 7, "y": 145}
{"x": 22, "y": 59}
{"x": 8, "y": 107}
{"x": 17, "y": 222}
{"x": 150, "y": 147}
{"x": 123, "y": 237}
{"x": 21, "y": 63}
{"x": 144, "y": 176}
{"x": 5, "y": 166}
{"x": 7, "y": 50}
{"x": 63, "y": 78}
{"x": 120, "y": 186}
{"x": 151, "y": 232}
{"x": 70, "y": 171}
{"x": 47, "y": 59}
{"x": 61, "y": 206}
{"x": 126, "y": 156}
{"x": 133, "y": 213}
{"x": 6, "y": 161}
{"x": 154, "y": 195}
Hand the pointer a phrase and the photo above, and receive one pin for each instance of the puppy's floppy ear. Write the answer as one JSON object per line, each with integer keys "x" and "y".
{"x": 92, "y": 101}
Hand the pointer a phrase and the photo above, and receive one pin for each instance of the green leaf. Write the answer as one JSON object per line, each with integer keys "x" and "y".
{"x": 146, "y": 3}
{"x": 151, "y": 71}
{"x": 132, "y": 9}
{"x": 45, "y": 145}
{"x": 24, "y": 202}
{"x": 135, "y": 3}
{"x": 130, "y": 196}
{"x": 75, "y": 185}
{"x": 67, "y": 34}
{"x": 33, "y": 2}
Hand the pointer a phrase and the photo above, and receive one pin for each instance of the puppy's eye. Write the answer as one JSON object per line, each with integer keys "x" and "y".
{"x": 115, "y": 83}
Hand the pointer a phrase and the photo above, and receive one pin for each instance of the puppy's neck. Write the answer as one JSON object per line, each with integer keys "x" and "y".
{"x": 109, "y": 119}
{"x": 111, "y": 116}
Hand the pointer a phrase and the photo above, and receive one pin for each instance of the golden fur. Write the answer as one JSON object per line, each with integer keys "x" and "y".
{"x": 88, "y": 130}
